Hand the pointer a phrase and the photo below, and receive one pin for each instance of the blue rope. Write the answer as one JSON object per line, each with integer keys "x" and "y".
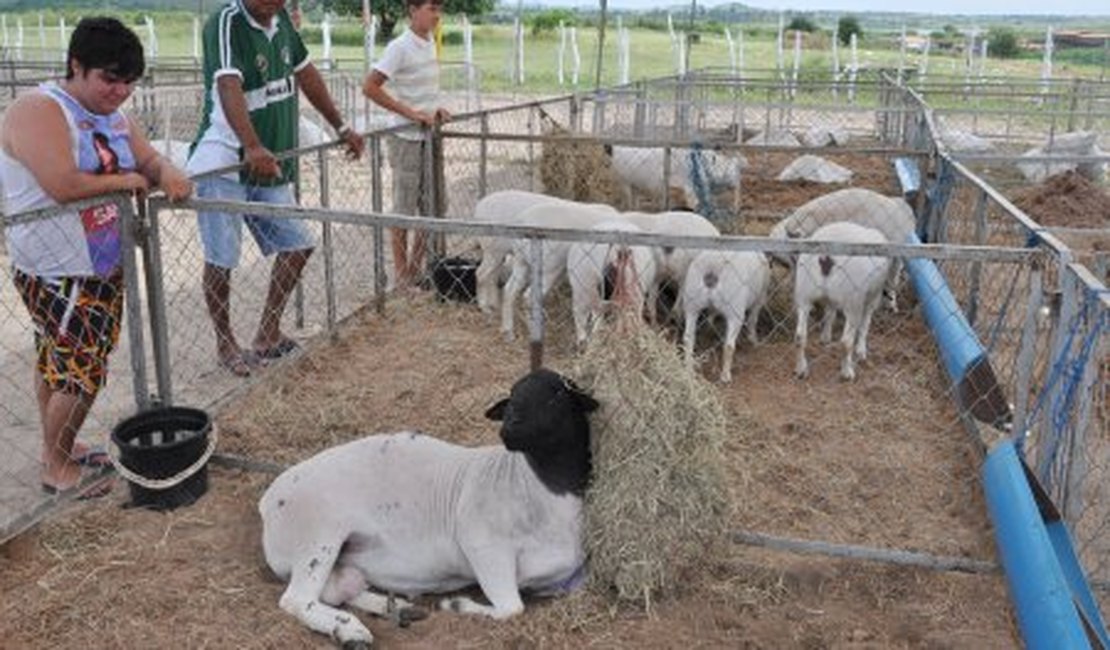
{"x": 1069, "y": 373}
{"x": 997, "y": 328}
{"x": 699, "y": 181}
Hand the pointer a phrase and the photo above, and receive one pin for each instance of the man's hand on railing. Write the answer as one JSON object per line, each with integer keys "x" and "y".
{"x": 354, "y": 142}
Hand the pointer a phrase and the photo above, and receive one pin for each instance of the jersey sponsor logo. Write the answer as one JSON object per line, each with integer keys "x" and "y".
{"x": 279, "y": 89}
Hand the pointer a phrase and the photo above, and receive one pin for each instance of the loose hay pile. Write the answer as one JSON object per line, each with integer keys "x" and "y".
{"x": 657, "y": 509}
{"x": 576, "y": 169}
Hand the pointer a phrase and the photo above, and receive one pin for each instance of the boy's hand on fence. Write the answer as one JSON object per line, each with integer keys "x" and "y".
{"x": 261, "y": 163}
{"x": 442, "y": 116}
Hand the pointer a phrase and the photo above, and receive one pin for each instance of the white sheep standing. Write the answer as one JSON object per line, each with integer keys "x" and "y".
{"x": 671, "y": 262}
{"x": 891, "y": 216}
{"x": 641, "y": 169}
{"x": 850, "y": 284}
{"x": 587, "y": 264}
{"x": 733, "y": 283}
{"x": 576, "y": 216}
{"x": 505, "y": 208}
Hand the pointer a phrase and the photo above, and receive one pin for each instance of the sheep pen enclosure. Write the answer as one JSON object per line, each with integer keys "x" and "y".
{"x": 882, "y": 470}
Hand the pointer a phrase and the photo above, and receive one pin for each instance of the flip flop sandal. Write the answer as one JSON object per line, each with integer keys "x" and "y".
{"x": 236, "y": 365}
{"x": 283, "y": 349}
{"x": 94, "y": 456}
{"x": 95, "y": 491}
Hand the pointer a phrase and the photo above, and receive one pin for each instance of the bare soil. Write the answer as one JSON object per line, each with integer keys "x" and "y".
{"x": 878, "y": 462}
{"x": 1067, "y": 200}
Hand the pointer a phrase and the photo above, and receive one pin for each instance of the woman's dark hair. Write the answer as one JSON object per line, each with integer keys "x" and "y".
{"x": 108, "y": 44}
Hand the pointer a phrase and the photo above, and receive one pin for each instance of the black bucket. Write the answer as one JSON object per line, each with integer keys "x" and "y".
{"x": 161, "y": 444}
{"x": 455, "y": 278}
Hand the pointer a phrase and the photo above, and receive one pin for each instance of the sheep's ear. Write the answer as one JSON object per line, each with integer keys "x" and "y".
{"x": 588, "y": 403}
{"x": 497, "y": 411}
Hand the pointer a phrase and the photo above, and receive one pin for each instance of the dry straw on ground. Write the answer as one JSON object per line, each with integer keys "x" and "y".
{"x": 658, "y": 505}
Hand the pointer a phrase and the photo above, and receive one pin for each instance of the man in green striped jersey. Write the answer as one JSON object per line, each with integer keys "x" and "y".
{"x": 254, "y": 60}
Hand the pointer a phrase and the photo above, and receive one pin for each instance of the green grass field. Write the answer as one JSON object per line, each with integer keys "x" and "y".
{"x": 651, "y": 52}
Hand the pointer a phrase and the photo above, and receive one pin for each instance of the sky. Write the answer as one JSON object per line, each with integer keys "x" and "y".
{"x": 1011, "y": 7}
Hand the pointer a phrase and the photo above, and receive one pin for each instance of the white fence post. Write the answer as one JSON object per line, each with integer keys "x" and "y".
{"x": 562, "y": 51}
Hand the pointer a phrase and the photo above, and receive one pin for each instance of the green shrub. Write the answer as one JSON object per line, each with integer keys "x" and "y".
{"x": 1002, "y": 42}
{"x": 801, "y": 24}
{"x": 847, "y": 26}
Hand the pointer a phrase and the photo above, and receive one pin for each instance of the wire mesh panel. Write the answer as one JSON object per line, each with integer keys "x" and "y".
{"x": 1064, "y": 433}
{"x": 67, "y": 342}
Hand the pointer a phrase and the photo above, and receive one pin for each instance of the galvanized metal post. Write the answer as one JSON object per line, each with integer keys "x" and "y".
{"x": 156, "y": 303}
{"x": 1027, "y": 352}
{"x": 536, "y": 324}
{"x": 532, "y": 149}
{"x": 483, "y": 155}
{"x": 329, "y": 249}
{"x": 977, "y": 266}
{"x": 1060, "y": 350}
{"x": 641, "y": 109}
{"x": 379, "y": 232}
{"x": 131, "y": 231}
{"x": 431, "y": 185}
{"x": 667, "y": 177}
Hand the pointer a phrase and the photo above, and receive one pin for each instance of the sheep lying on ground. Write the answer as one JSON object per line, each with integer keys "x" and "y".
{"x": 410, "y": 514}
{"x": 733, "y": 283}
{"x": 589, "y": 263}
{"x": 891, "y": 216}
{"x": 852, "y": 285}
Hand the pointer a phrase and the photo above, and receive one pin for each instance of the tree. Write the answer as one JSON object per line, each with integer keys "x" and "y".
{"x": 548, "y": 20}
{"x": 801, "y": 24}
{"x": 391, "y": 12}
{"x": 847, "y": 26}
{"x": 1002, "y": 42}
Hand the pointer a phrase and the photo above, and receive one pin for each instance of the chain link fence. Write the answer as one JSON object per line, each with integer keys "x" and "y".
{"x": 1051, "y": 359}
{"x": 404, "y": 357}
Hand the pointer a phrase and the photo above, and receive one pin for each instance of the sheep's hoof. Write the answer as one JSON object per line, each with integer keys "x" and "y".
{"x": 848, "y": 374}
{"x": 408, "y": 615}
{"x": 725, "y": 379}
{"x": 356, "y": 645}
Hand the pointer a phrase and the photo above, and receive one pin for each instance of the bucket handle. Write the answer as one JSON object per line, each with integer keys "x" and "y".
{"x": 165, "y": 483}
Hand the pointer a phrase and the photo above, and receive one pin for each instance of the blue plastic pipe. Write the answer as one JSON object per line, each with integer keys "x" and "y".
{"x": 959, "y": 347}
{"x": 1039, "y": 589}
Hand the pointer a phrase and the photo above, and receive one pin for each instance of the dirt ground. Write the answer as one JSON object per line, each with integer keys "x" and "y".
{"x": 878, "y": 462}
{"x": 1067, "y": 200}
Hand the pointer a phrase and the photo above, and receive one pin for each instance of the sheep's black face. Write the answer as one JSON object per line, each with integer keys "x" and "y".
{"x": 545, "y": 418}
{"x": 544, "y": 411}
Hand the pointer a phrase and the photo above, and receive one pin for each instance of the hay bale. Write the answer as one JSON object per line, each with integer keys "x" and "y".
{"x": 576, "y": 168}
{"x": 658, "y": 506}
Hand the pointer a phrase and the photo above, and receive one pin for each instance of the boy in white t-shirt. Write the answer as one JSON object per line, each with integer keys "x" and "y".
{"x": 410, "y": 67}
